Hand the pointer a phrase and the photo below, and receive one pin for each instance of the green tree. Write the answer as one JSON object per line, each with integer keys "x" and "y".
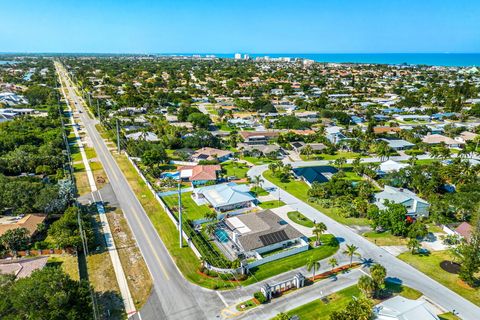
{"x": 15, "y": 239}
{"x": 351, "y": 250}
{"x": 199, "y": 120}
{"x": 413, "y": 245}
{"x": 378, "y": 273}
{"x": 333, "y": 263}
{"x": 307, "y": 151}
{"x": 366, "y": 285}
{"x": 357, "y": 309}
{"x": 318, "y": 230}
{"x": 313, "y": 265}
{"x": 65, "y": 233}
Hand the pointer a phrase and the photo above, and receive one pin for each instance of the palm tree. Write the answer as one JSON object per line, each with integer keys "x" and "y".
{"x": 366, "y": 285}
{"x": 333, "y": 263}
{"x": 318, "y": 230}
{"x": 210, "y": 228}
{"x": 414, "y": 245}
{"x": 313, "y": 265}
{"x": 210, "y": 215}
{"x": 273, "y": 167}
{"x": 383, "y": 150}
{"x": 351, "y": 251}
{"x": 307, "y": 150}
{"x": 257, "y": 180}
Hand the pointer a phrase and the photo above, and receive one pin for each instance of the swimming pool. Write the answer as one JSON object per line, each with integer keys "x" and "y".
{"x": 221, "y": 235}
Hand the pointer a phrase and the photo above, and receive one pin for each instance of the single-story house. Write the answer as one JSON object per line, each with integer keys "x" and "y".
{"x": 29, "y": 222}
{"x": 416, "y": 206}
{"x": 398, "y": 144}
{"x": 318, "y": 174}
{"x": 391, "y": 166}
{"x": 258, "y": 137}
{"x": 200, "y": 174}
{"x": 147, "y": 136}
{"x": 334, "y": 134}
{"x": 261, "y": 150}
{"x": 400, "y": 308}
{"x": 24, "y": 267}
{"x": 209, "y": 154}
{"x": 386, "y": 130}
{"x": 435, "y": 139}
{"x": 411, "y": 117}
{"x": 263, "y": 231}
{"x": 298, "y": 146}
{"x": 463, "y": 230}
{"x": 226, "y": 196}
{"x": 466, "y": 136}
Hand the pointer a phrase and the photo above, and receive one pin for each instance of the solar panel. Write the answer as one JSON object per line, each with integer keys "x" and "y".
{"x": 274, "y": 237}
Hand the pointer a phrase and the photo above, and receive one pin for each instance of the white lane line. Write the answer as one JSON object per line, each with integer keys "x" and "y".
{"x": 222, "y": 298}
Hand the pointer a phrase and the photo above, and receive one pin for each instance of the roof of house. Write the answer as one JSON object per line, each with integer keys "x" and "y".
{"x": 208, "y": 153}
{"x": 396, "y": 195}
{"x": 379, "y": 130}
{"x": 468, "y": 136}
{"x": 398, "y": 143}
{"x": 264, "y": 148}
{"x": 390, "y": 166}
{"x": 438, "y": 138}
{"x": 261, "y": 229}
{"x": 403, "y": 309}
{"x": 224, "y": 194}
{"x": 147, "y": 136}
{"x": 315, "y": 146}
{"x": 200, "y": 172}
{"x": 465, "y": 230}
{"x": 315, "y": 174}
{"x": 24, "y": 267}
{"x": 267, "y": 134}
{"x": 29, "y": 222}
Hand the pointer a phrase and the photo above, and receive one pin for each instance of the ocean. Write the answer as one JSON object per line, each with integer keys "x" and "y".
{"x": 430, "y": 59}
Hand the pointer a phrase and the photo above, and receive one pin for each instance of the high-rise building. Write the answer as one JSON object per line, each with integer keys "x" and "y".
{"x": 246, "y": 57}
{"x": 238, "y": 56}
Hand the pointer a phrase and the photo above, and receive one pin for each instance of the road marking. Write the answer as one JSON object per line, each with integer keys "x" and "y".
{"x": 221, "y": 298}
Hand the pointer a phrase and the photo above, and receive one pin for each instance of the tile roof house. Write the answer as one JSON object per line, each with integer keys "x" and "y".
{"x": 466, "y": 136}
{"x": 262, "y": 232}
{"x": 416, "y": 206}
{"x": 438, "y": 139}
{"x": 318, "y": 174}
{"x": 298, "y": 146}
{"x": 200, "y": 174}
{"x": 258, "y": 137}
{"x": 29, "y": 222}
{"x": 261, "y": 150}
{"x": 226, "y": 196}
{"x": 209, "y": 154}
{"x": 400, "y": 308}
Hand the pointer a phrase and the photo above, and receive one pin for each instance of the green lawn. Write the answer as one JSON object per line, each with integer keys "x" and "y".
{"x": 257, "y": 161}
{"x": 299, "y": 189}
{"x": 299, "y": 218}
{"x": 322, "y": 308}
{"x": 190, "y": 209}
{"x": 259, "y": 191}
{"x": 385, "y": 238}
{"x": 270, "y": 269}
{"x": 319, "y": 309}
{"x": 236, "y": 169}
{"x": 430, "y": 265}
{"x": 271, "y": 204}
{"x": 448, "y": 316}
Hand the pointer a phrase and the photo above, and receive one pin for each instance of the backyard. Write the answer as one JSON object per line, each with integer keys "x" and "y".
{"x": 235, "y": 169}
{"x": 191, "y": 210}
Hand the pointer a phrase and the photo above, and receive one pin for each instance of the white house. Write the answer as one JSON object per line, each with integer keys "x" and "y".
{"x": 400, "y": 308}
{"x": 391, "y": 166}
{"x": 416, "y": 206}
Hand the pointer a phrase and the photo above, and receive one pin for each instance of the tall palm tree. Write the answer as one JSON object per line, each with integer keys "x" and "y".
{"x": 257, "y": 180}
{"x": 366, "y": 285}
{"x": 210, "y": 215}
{"x": 318, "y": 230}
{"x": 351, "y": 250}
{"x": 307, "y": 150}
{"x": 313, "y": 265}
{"x": 333, "y": 263}
{"x": 273, "y": 167}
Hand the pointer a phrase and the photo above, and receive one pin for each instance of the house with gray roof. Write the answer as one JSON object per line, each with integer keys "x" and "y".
{"x": 398, "y": 144}
{"x": 416, "y": 206}
{"x": 263, "y": 232}
{"x": 225, "y": 197}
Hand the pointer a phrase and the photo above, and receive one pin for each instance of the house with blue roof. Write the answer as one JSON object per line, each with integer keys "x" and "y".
{"x": 225, "y": 197}
{"x": 318, "y": 174}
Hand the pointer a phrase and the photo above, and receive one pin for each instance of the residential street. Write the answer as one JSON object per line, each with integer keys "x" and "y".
{"x": 396, "y": 268}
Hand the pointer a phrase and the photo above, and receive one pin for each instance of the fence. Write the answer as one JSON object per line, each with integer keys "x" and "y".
{"x": 44, "y": 252}
{"x": 164, "y": 206}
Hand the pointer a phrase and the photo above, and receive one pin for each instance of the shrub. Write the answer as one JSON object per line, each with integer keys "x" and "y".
{"x": 260, "y": 297}
{"x": 414, "y": 152}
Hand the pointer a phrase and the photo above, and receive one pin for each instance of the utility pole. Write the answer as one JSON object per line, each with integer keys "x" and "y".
{"x": 118, "y": 137}
{"x": 180, "y": 215}
{"x": 89, "y": 99}
{"x": 98, "y": 112}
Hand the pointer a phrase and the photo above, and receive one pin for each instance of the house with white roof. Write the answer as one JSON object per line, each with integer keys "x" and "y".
{"x": 416, "y": 206}
{"x": 391, "y": 166}
{"x": 225, "y": 197}
{"x": 400, "y": 308}
{"x": 398, "y": 144}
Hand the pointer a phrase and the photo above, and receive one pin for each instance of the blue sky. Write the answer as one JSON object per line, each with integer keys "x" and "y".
{"x": 261, "y": 26}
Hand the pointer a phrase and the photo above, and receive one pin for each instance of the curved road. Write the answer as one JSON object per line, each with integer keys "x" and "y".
{"x": 396, "y": 268}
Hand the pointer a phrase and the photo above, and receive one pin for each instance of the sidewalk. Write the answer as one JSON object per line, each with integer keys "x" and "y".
{"x": 117, "y": 265}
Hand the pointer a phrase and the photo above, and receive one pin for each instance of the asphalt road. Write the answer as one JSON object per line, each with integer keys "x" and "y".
{"x": 177, "y": 298}
{"x": 396, "y": 268}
